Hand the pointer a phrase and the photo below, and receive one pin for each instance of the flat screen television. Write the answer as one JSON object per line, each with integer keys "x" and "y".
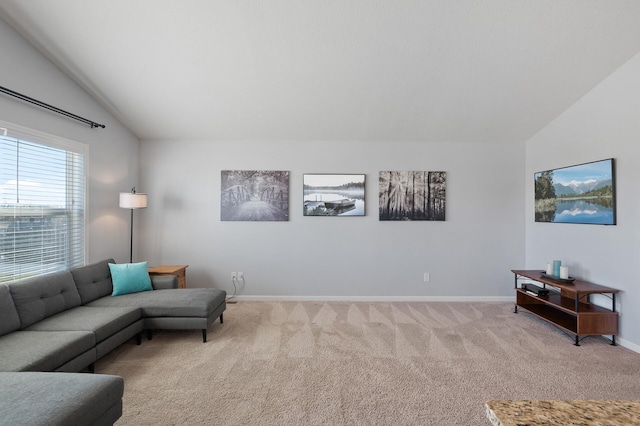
{"x": 584, "y": 193}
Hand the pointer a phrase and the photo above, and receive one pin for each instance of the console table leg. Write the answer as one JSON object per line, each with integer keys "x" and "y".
{"x": 613, "y": 341}
{"x": 515, "y": 309}
{"x": 577, "y": 341}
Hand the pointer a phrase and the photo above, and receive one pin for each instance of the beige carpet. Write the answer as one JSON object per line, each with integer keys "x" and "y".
{"x": 343, "y": 363}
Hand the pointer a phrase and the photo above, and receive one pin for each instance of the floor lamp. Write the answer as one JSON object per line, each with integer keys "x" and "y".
{"x": 132, "y": 200}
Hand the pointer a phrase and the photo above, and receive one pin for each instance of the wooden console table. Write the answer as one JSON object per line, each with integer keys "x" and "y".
{"x": 570, "y": 309}
{"x": 179, "y": 270}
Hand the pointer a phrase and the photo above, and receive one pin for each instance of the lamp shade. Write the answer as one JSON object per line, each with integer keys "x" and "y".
{"x": 133, "y": 200}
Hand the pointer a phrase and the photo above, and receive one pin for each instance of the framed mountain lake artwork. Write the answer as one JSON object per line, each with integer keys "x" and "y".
{"x": 584, "y": 193}
{"x": 254, "y": 195}
{"x": 333, "y": 195}
{"x": 406, "y": 195}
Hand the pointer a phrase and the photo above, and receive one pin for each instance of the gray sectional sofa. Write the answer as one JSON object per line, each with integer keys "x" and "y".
{"x": 35, "y": 398}
{"x": 66, "y": 321}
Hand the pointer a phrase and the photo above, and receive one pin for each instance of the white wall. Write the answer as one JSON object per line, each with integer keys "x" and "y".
{"x": 603, "y": 124}
{"x": 468, "y": 255}
{"x": 113, "y": 151}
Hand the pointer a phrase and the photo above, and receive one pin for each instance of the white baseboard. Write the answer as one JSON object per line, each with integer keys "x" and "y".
{"x": 258, "y": 298}
{"x": 629, "y": 345}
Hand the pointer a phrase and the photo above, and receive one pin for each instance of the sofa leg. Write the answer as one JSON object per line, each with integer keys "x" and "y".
{"x": 92, "y": 368}
{"x": 221, "y": 319}
{"x": 139, "y": 339}
{"x": 204, "y": 335}
{"x": 149, "y": 334}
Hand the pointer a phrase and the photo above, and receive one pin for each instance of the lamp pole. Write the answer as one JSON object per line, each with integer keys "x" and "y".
{"x": 131, "y": 242}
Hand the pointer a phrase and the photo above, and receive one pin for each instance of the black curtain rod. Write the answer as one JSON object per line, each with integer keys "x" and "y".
{"x": 50, "y": 107}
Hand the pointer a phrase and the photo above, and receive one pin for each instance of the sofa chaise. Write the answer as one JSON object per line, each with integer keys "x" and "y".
{"x": 193, "y": 309}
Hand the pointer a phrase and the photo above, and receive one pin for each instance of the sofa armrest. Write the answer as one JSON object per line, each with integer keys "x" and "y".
{"x": 164, "y": 282}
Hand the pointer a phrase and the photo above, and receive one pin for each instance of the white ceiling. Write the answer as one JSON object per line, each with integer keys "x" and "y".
{"x": 437, "y": 70}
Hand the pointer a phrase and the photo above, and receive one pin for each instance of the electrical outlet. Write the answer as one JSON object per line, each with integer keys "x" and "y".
{"x": 234, "y": 276}
{"x": 427, "y": 277}
{"x": 241, "y": 276}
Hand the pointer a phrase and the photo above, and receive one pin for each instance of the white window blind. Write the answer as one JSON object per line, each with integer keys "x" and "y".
{"x": 42, "y": 207}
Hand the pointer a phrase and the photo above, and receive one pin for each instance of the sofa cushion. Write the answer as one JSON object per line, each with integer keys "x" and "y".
{"x": 43, "y": 296}
{"x": 130, "y": 278}
{"x": 42, "y": 350}
{"x": 37, "y": 398}
{"x": 93, "y": 281}
{"x": 164, "y": 282}
{"x": 103, "y": 322}
{"x": 9, "y": 319}
{"x": 184, "y": 302}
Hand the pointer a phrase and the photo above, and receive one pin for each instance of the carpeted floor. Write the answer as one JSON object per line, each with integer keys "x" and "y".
{"x": 344, "y": 363}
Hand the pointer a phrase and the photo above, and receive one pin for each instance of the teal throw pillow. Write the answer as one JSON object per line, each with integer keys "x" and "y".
{"x": 130, "y": 278}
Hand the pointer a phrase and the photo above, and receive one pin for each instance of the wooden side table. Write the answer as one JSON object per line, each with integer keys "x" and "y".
{"x": 179, "y": 270}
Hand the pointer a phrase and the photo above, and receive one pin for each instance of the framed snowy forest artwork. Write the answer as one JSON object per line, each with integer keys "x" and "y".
{"x": 406, "y": 195}
{"x": 254, "y": 195}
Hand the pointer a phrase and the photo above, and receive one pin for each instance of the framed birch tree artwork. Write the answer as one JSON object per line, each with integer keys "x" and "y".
{"x": 254, "y": 195}
{"x": 406, "y": 195}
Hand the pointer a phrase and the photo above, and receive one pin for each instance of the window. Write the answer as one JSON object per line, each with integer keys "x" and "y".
{"x": 42, "y": 204}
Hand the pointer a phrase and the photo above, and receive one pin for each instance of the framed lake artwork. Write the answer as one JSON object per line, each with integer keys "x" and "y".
{"x": 333, "y": 195}
{"x": 584, "y": 193}
{"x": 412, "y": 195}
{"x": 254, "y": 195}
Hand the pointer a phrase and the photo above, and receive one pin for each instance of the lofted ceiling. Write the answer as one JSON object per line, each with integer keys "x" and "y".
{"x": 426, "y": 70}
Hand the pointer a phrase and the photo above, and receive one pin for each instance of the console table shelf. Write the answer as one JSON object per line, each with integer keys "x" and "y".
{"x": 571, "y": 310}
